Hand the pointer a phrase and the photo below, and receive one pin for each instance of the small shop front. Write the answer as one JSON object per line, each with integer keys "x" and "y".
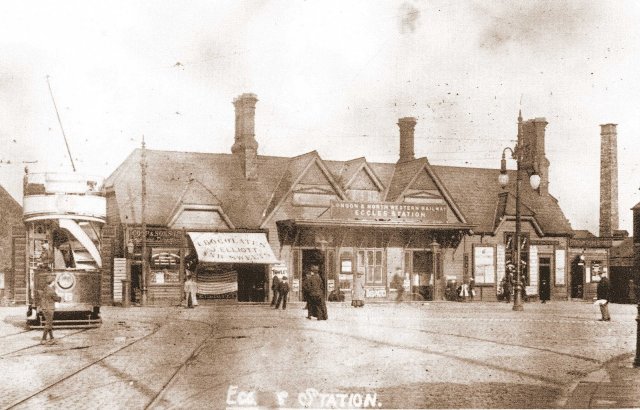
{"x": 231, "y": 265}
{"x": 228, "y": 266}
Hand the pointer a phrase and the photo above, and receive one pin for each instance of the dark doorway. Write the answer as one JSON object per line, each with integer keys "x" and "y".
{"x": 619, "y": 277}
{"x": 422, "y": 275}
{"x": 251, "y": 283}
{"x": 545, "y": 279}
{"x": 136, "y": 284}
{"x": 314, "y": 257}
{"x": 577, "y": 278}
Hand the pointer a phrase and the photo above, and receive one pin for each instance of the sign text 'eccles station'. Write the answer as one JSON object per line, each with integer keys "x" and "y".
{"x": 389, "y": 211}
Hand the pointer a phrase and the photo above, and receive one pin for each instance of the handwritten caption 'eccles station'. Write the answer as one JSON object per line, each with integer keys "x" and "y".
{"x": 310, "y": 398}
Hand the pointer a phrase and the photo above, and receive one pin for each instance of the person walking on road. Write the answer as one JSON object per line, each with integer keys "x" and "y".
{"x": 48, "y": 299}
{"x": 283, "y": 293}
{"x": 357, "y": 294}
{"x": 602, "y": 292}
{"x": 190, "y": 290}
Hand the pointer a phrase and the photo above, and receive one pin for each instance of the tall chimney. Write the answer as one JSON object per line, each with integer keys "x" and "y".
{"x": 608, "y": 180}
{"x": 245, "y": 145}
{"x": 531, "y": 139}
{"x": 407, "y": 127}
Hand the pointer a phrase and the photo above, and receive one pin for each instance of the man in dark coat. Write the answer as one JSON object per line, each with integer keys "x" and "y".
{"x": 48, "y": 299}
{"x": 314, "y": 290}
{"x": 283, "y": 292}
{"x": 275, "y": 287}
{"x": 602, "y": 292}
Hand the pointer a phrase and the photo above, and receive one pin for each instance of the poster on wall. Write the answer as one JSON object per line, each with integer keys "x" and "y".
{"x": 560, "y": 265}
{"x": 533, "y": 271}
{"x": 500, "y": 262}
{"x": 483, "y": 264}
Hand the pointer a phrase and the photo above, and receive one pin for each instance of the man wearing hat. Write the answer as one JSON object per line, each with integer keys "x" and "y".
{"x": 48, "y": 299}
{"x": 314, "y": 290}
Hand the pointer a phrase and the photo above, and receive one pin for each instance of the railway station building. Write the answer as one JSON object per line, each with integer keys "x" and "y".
{"x": 244, "y": 217}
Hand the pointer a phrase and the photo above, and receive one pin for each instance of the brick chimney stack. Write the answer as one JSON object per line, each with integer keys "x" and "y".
{"x": 245, "y": 145}
{"x": 407, "y": 129}
{"x": 608, "y": 180}
{"x": 531, "y": 139}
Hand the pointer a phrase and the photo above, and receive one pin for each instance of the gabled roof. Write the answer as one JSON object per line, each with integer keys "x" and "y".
{"x": 507, "y": 207}
{"x": 473, "y": 193}
{"x": 347, "y": 172}
{"x": 294, "y": 172}
{"x": 476, "y": 192}
{"x": 168, "y": 172}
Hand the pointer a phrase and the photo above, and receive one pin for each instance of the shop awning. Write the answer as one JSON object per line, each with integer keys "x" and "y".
{"x": 233, "y": 247}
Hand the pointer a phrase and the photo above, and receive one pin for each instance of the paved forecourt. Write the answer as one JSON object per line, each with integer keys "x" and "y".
{"x": 411, "y": 355}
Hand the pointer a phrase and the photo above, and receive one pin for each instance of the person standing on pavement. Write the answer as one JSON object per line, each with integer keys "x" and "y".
{"x": 283, "y": 293}
{"x": 190, "y": 290}
{"x": 48, "y": 299}
{"x": 275, "y": 288}
{"x": 632, "y": 292}
{"x": 602, "y": 293}
{"x": 357, "y": 294}
{"x": 315, "y": 294}
{"x": 398, "y": 284}
{"x": 472, "y": 288}
{"x": 544, "y": 290}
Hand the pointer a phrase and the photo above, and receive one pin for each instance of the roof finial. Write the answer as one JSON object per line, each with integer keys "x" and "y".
{"x": 143, "y": 144}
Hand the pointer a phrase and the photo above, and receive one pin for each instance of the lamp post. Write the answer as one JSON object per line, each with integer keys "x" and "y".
{"x": 636, "y": 362}
{"x": 534, "y": 180}
{"x": 143, "y": 177}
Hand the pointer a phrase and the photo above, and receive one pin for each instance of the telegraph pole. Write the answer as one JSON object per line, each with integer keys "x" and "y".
{"x": 143, "y": 169}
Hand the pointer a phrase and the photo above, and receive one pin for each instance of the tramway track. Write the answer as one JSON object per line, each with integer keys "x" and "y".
{"x": 81, "y": 369}
{"x": 485, "y": 340}
{"x": 36, "y": 344}
{"x": 14, "y": 334}
{"x": 157, "y": 396}
{"x": 194, "y": 354}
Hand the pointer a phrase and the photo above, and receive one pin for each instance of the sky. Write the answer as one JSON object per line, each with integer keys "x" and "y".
{"x": 331, "y": 76}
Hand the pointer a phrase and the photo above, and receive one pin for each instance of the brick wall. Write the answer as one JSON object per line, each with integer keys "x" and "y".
{"x": 18, "y": 276}
{"x": 109, "y": 246}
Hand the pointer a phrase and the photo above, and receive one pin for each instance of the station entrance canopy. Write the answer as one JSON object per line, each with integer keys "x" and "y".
{"x": 233, "y": 247}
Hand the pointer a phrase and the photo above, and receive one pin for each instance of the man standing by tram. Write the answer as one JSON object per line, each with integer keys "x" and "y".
{"x": 48, "y": 299}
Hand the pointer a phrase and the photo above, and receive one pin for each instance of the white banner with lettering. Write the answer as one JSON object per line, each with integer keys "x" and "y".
{"x": 233, "y": 247}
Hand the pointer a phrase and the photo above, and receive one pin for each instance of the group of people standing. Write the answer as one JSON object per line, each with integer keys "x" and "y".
{"x": 280, "y": 288}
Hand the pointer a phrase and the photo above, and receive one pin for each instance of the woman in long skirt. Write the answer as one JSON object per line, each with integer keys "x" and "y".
{"x": 357, "y": 298}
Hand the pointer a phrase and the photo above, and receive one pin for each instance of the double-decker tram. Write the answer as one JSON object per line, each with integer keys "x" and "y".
{"x": 64, "y": 215}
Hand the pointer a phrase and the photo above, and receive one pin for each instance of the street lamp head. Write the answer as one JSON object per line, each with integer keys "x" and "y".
{"x": 534, "y": 180}
{"x": 503, "y": 178}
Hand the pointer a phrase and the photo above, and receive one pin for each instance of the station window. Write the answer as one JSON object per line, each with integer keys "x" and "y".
{"x": 369, "y": 261}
